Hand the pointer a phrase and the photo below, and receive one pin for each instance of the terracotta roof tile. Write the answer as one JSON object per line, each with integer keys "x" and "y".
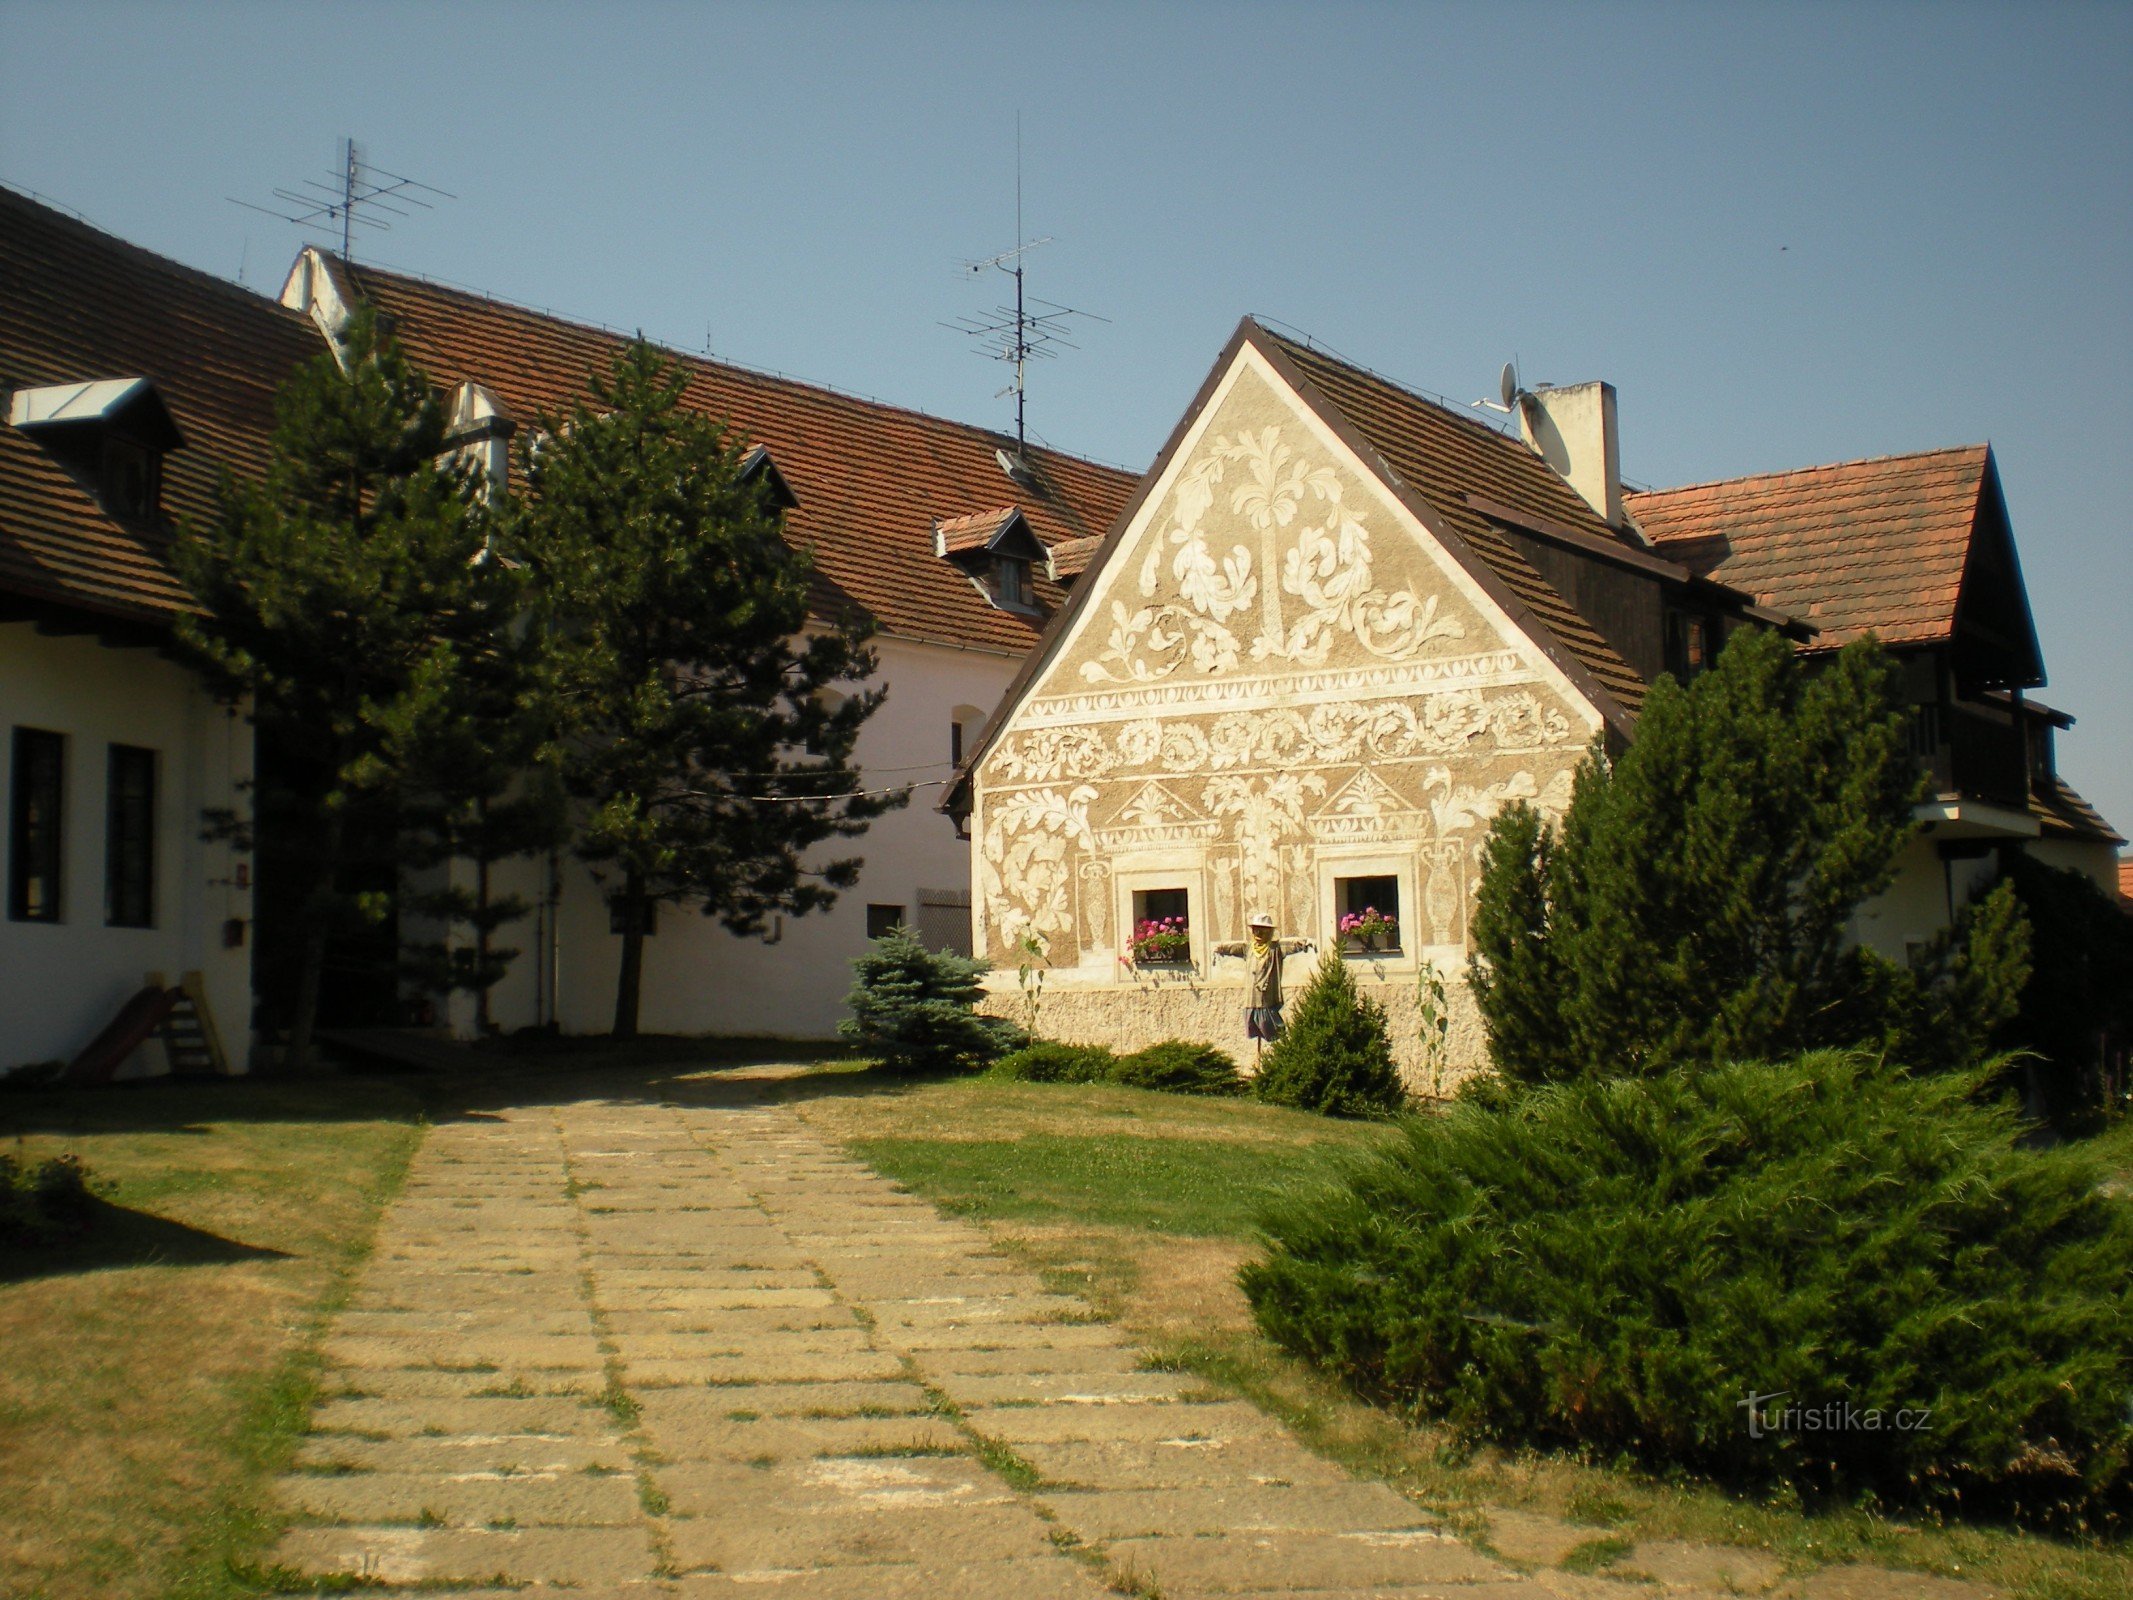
{"x": 1444, "y": 458}
{"x": 76, "y": 304}
{"x": 974, "y": 532}
{"x": 1071, "y": 557}
{"x": 871, "y": 479}
{"x": 1854, "y": 547}
{"x": 2125, "y": 880}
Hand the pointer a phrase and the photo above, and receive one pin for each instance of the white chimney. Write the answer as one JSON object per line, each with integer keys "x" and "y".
{"x": 1573, "y": 430}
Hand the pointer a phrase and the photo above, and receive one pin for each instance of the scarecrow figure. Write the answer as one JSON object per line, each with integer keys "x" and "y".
{"x": 1262, "y": 1009}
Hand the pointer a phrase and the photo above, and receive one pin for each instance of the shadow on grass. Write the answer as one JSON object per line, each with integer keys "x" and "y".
{"x": 418, "y": 1079}
{"x": 114, "y": 1236}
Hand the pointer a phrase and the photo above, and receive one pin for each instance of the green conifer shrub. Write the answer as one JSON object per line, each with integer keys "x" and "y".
{"x": 914, "y": 1008}
{"x": 2080, "y": 992}
{"x": 1618, "y": 1265}
{"x": 1049, "y": 1061}
{"x": 1695, "y": 905}
{"x": 1179, "y": 1066}
{"x": 1334, "y": 1055}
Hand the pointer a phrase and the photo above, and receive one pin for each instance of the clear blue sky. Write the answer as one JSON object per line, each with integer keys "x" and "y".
{"x": 1787, "y": 233}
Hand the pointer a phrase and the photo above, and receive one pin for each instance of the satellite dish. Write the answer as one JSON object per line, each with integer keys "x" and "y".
{"x": 1508, "y": 388}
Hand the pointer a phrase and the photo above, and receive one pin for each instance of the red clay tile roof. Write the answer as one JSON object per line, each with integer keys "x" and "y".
{"x": 2125, "y": 880}
{"x": 76, "y": 304}
{"x": 1855, "y": 547}
{"x": 1071, "y": 557}
{"x": 1444, "y": 458}
{"x": 958, "y": 535}
{"x": 871, "y": 479}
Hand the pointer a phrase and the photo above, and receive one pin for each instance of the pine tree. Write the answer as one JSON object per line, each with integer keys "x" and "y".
{"x": 703, "y": 738}
{"x": 1694, "y": 907}
{"x": 1334, "y": 1055}
{"x": 480, "y": 787}
{"x": 344, "y": 603}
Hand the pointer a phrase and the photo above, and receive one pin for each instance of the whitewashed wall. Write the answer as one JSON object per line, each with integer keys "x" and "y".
{"x": 60, "y": 983}
{"x": 700, "y": 979}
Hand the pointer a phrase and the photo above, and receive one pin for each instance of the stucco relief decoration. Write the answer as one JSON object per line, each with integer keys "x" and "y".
{"x": 1332, "y": 734}
{"x": 1269, "y": 812}
{"x": 1025, "y": 863}
{"x": 1306, "y": 533}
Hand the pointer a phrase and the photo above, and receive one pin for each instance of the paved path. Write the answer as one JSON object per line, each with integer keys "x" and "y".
{"x": 638, "y": 1349}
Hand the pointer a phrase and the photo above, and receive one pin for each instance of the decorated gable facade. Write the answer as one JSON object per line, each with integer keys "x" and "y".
{"x": 1289, "y": 682}
{"x": 1341, "y": 627}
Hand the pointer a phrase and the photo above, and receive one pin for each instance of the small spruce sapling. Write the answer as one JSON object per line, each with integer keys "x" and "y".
{"x": 1335, "y": 1054}
{"x": 915, "y": 1008}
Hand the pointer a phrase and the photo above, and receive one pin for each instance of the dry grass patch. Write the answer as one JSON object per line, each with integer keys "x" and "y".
{"x": 156, "y": 1370}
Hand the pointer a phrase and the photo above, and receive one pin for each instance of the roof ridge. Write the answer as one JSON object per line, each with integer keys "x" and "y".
{"x": 721, "y": 364}
{"x": 1436, "y": 402}
{"x": 1820, "y": 466}
{"x": 67, "y": 217}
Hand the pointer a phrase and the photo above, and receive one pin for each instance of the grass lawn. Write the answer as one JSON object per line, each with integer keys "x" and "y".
{"x": 1145, "y": 1203}
{"x": 155, "y": 1373}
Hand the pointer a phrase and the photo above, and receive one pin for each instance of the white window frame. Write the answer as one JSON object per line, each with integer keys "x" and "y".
{"x": 1336, "y": 862}
{"x": 1138, "y": 875}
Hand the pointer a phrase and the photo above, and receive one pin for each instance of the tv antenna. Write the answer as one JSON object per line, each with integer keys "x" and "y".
{"x": 1030, "y": 329}
{"x": 360, "y": 195}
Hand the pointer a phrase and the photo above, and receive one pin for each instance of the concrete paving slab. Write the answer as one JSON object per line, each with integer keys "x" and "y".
{"x": 1287, "y": 1562}
{"x": 1040, "y": 1578}
{"x": 822, "y": 1484}
{"x": 576, "y": 1556}
{"x": 742, "y": 1435}
{"x": 1140, "y": 1513}
{"x": 415, "y": 1418}
{"x": 1065, "y": 1388}
{"x": 569, "y": 1499}
{"x": 848, "y": 1536}
{"x": 494, "y": 1455}
{"x": 1178, "y": 1464}
{"x": 1147, "y": 1421}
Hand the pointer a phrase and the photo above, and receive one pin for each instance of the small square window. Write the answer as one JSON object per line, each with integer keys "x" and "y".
{"x": 35, "y": 810}
{"x": 1367, "y": 913}
{"x": 1162, "y": 927}
{"x": 883, "y": 920}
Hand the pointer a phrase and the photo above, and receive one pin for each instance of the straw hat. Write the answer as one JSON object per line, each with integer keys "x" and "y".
{"x": 1260, "y": 919}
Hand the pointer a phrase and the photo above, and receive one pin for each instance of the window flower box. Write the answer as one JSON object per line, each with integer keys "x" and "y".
{"x": 1369, "y": 931}
{"x": 1160, "y": 942}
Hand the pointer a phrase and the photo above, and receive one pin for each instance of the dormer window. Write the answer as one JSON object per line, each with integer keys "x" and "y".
{"x": 756, "y": 466}
{"x": 479, "y": 434}
{"x": 112, "y": 432}
{"x": 996, "y": 551}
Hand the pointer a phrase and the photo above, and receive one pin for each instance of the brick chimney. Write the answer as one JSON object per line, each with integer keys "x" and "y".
{"x": 1573, "y": 430}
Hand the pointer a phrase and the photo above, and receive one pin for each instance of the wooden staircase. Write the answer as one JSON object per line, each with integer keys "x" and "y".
{"x": 189, "y": 1037}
